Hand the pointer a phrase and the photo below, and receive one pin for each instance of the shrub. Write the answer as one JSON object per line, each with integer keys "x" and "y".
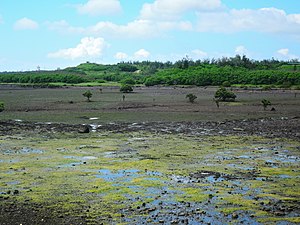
{"x": 88, "y": 94}
{"x": 286, "y": 85}
{"x": 129, "y": 80}
{"x": 266, "y": 88}
{"x": 226, "y": 84}
{"x": 191, "y": 97}
{"x": 265, "y": 103}
{"x": 126, "y": 88}
{"x": 223, "y": 95}
{"x": 1, "y": 106}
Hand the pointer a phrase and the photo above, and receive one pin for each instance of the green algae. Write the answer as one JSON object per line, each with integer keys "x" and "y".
{"x": 61, "y": 178}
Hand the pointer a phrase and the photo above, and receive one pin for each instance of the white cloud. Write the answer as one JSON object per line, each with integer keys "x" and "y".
{"x": 133, "y": 29}
{"x": 267, "y": 20}
{"x": 88, "y": 47}
{"x": 25, "y": 24}
{"x": 173, "y": 9}
{"x": 64, "y": 27}
{"x": 136, "y": 28}
{"x": 199, "y": 53}
{"x": 241, "y": 50}
{"x": 121, "y": 55}
{"x": 100, "y": 7}
{"x": 284, "y": 53}
{"x": 141, "y": 54}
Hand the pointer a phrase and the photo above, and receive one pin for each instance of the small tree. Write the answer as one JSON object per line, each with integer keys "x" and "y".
{"x": 126, "y": 88}
{"x": 265, "y": 103}
{"x": 191, "y": 97}
{"x": 223, "y": 95}
{"x": 88, "y": 94}
{"x": 1, "y": 106}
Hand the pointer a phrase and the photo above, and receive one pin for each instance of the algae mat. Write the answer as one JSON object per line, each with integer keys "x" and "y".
{"x": 148, "y": 178}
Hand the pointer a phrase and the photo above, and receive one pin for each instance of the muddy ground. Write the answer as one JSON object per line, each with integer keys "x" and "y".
{"x": 153, "y": 159}
{"x": 240, "y": 172}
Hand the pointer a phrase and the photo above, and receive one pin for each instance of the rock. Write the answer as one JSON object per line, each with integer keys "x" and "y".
{"x": 235, "y": 216}
{"x": 84, "y": 130}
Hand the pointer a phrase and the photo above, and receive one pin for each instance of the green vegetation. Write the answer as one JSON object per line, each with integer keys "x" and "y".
{"x": 88, "y": 94}
{"x": 94, "y": 176}
{"x": 238, "y": 70}
{"x": 226, "y": 84}
{"x": 1, "y": 106}
{"x": 265, "y": 103}
{"x": 191, "y": 97}
{"x": 126, "y": 88}
{"x": 223, "y": 95}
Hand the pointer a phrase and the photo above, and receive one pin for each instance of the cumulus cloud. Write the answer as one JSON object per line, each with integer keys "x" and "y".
{"x": 199, "y": 53}
{"x": 121, "y": 55}
{"x": 267, "y": 20}
{"x": 25, "y": 24}
{"x": 88, "y": 47}
{"x": 141, "y": 54}
{"x": 100, "y": 7}
{"x": 241, "y": 50}
{"x": 172, "y": 9}
{"x": 284, "y": 53}
{"x": 63, "y": 26}
{"x": 134, "y": 29}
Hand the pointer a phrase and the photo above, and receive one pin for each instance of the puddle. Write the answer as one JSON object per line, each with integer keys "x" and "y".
{"x": 82, "y": 160}
{"x": 118, "y": 176}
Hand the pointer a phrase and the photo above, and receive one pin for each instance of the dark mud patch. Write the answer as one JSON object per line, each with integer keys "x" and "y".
{"x": 267, "y": 127}
{"x": 16, "y": 213}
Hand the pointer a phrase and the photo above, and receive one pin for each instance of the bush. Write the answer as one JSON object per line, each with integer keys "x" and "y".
{"x": 191, "y": 97}
{"x": 1, "y": 106}
{"x": 226, "y": 84}
{"x": 265, "y": 103}
{"x": 126, "y": 88}
{"x": 88, "y": 94}
{"x": 224, "y": 95}
{"x": 129, "y": 80}
{"x": 286, "y": 85}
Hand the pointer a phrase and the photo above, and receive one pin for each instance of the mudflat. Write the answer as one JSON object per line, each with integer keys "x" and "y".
{"x": 153, "y": 158}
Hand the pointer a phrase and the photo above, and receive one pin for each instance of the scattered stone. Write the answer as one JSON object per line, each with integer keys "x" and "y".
{"x": 235, "y": 216}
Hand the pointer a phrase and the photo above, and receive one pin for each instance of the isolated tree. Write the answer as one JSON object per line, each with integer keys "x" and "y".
{"x": 126, "y": 88}
{"x": 88, "y": 94}
{"x": 265, "y": 103}
{"x": 1, "y": 106}
{"x": 223, "y": 95}
{"x": 191, "y": 97}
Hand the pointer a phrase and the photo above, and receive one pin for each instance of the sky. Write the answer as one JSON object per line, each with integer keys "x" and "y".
{"x": 61, "y": 33}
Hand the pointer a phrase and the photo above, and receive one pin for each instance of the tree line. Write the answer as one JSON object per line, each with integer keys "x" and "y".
{"x": 235, "y": 70}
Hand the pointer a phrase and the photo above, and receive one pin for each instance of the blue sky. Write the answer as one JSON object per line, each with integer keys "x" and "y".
{"x": 62, "y": 33}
